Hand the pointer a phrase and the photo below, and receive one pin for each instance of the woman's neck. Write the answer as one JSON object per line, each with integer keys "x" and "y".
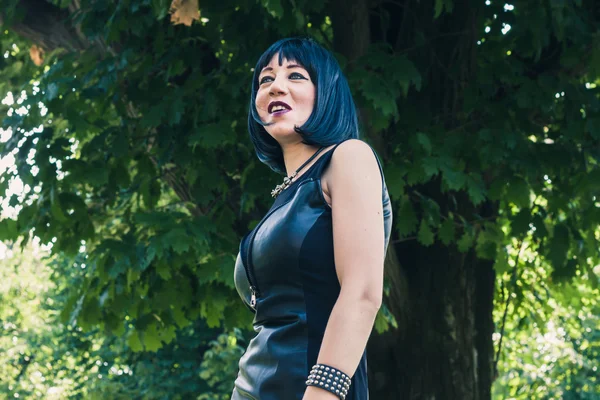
{"x": 294, "y": 155}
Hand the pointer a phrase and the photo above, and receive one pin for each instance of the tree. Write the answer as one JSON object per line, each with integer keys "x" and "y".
{"x": 44, "y": 359}
{"x": 485, "y": 114}
{"x": 556, "y": 356}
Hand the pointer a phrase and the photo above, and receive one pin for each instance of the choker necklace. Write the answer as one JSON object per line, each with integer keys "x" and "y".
{"x": 287, "y": 181}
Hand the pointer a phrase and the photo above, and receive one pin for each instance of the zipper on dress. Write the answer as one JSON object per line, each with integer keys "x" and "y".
{"x": 253, "y": 298}
{"x": 249, "y": 271}
{"x": 248, "y": 264}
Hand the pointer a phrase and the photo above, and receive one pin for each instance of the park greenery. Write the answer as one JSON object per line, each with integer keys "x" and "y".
{"x": 47, "y": 359}
{"x": 127, "y": 179}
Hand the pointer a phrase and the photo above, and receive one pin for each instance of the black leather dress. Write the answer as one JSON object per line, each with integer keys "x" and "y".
{"x": 285, "y": 273}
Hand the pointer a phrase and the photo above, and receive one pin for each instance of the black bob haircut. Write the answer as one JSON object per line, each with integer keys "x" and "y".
{"x": 333, "y": 118}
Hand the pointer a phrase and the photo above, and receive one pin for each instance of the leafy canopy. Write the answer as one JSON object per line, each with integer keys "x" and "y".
{"x": 131, "y": 140}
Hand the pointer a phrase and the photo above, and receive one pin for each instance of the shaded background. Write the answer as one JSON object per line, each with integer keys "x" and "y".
{"x": 128, "y": 179}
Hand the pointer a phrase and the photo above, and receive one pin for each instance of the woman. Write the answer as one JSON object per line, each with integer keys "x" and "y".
{"x": 312, "y": 269}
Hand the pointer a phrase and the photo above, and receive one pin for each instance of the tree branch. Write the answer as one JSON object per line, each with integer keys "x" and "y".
{"x": 44, "y": 24}
{"x": 513, "y": 281}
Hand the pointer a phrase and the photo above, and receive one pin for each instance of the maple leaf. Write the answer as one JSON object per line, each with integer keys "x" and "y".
{"x": 37, "y": 55}
{"x": 184, "y": 12}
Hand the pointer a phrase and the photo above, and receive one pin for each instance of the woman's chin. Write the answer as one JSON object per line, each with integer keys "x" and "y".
{"x": 282, "y": 132}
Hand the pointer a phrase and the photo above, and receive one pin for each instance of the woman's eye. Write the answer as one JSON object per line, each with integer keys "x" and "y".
{"x": 296, "y": 75}
{"x": 293, "y": 75}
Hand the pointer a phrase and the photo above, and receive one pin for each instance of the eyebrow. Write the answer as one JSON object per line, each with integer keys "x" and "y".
{"x": 288, "y": 67}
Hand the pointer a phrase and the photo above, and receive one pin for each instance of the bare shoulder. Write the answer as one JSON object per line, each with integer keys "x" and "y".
{"x": 348, "y": 151}
{"x": 353, "y": 160}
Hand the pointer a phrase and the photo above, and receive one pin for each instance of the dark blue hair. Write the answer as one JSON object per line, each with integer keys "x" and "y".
{"x": 333, "y": 118}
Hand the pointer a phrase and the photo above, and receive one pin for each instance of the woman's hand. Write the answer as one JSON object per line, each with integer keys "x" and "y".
{"x": 315, "y": 393}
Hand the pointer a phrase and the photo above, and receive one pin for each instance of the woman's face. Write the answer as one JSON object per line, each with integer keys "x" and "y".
{"x": 285, "y": 98}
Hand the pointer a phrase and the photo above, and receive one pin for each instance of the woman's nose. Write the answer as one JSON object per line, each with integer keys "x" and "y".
{"x": 278, "y": 86}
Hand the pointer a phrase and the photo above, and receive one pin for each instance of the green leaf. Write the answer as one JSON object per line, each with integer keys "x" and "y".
{"x": 163, "y": 269}
{"x": 176, "y": 109}
{"x": 466, "y": 240}
{"x": 425, "y": 235}
{"x": 120, "y": 266}
{"x": 71, "y": 308}
{"x": 540, "y": 227}
{"x": 389, "y": 316}
{"x": 593, "y": 127}
{"x": 519, "y": 223}
{"x": 447, "y": 231}
{"x": 114, "y": 324}
{"x": 441, "y": 6}
{"x": 455, "y": 180}
{"x": 496, "y": 189}
{"x": 431, "y": 211}
{"x": 475, "y": 188}
{"x": 150, "y": 191}
{"x": 372, "y": 88}
{"x": 154, "y": 116}
{"x": 96, "y": 174}
{"x": 381, "y": 324}
{"x": 225, "y": 266}
{"x": 160, "y": 9}
{"x": 407, "y": 74}
{"x": 119, "y": 174}
{"x": 564, "y": 272}
{"x": 153, "y": 336}
{"x": 179, "y": 317}
{"x": 148, "y": 254}
{"x": 407, "y": 219}
{"x": 589, "y": 182}
{"x": 8, "y": 229}
{"x": 274, "y": 8}
{"x": 51, "y": 91}
{"x": 132, "y": 276}
{"x": 120, "y": 145}
{"x": 207, "y": 271}
{"x": 178, "y": 239}
{"x": 518, "y": 192}
{"x": 134, "y": 342}
{"x": 157, "y": 218}
{"x": 488, "y": 241}
{"x": 211, "y": 136}
{"x": 592, "y": 276}
{"x": 394, "y": 180}
{"x": 430, "y": 167}
{"x": 501, "y": 263}
{"x": 90, "y": 313}
{"x": 559, "y": 246}
{"x": 211, "y": 309}
{"x": 55, "y": 206}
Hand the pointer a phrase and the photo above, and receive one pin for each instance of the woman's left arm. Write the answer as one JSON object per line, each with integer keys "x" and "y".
{"x": 358, "y": 238}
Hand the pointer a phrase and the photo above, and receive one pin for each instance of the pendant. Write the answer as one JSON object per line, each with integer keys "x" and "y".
{"x": 287, "y": 181}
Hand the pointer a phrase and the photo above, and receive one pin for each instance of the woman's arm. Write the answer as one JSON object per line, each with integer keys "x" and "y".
{"x": 358, "y": 238}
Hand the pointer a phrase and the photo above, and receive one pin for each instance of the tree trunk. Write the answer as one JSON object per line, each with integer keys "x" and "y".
{"x": 446, "y": 351}
{"x": 350, "y": 21}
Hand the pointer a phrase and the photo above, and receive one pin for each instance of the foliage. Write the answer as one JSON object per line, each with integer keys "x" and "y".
{"x": 43, "y": 358}
{"x": 131, "y": 139}
{"x": 220, "y": 365}
{"x": 551, "y": 342}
